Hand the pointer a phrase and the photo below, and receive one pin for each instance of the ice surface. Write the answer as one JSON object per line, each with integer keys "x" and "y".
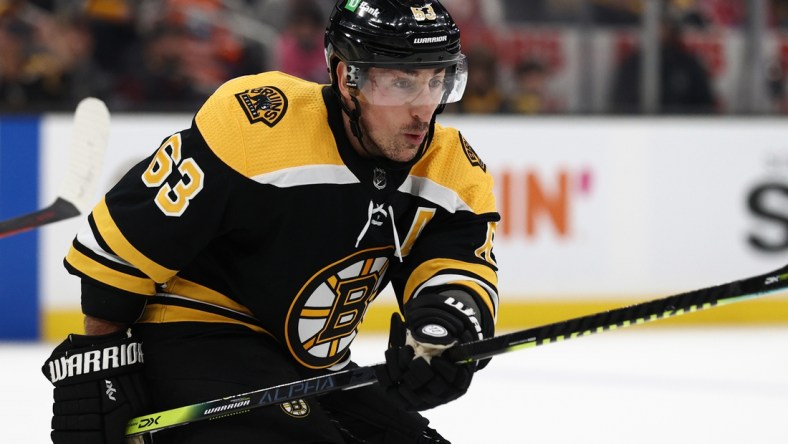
{"x": 641, "y": 385}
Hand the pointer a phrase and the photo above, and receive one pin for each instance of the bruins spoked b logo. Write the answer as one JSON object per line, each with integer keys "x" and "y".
{"x": 324, "y": 316}
{"x": 266, "y": 104}
{"x": 298, "y": 408}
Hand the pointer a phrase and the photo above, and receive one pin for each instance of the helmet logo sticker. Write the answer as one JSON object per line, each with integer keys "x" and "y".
{"x": 352, "y": 5}
{"x": 365, "y": 8}
{"x": 423, "y": 40}
{"x": 266, "y": 104}
{"x": 379, "y": 178}
{"x": 369, "y": 10}
{"x": 423, "y": 13}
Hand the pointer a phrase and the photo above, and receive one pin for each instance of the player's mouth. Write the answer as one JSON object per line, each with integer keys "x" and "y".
{"x": 415, "y": 138}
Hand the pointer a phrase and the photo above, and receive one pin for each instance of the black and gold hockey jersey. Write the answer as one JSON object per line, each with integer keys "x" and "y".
{"x": 262, "y": 214}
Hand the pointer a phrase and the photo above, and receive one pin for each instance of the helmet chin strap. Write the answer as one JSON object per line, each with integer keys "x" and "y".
{"x": 355, "y": 123}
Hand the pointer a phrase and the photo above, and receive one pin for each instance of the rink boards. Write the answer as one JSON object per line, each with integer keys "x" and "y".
{"x": 598, "y": 213}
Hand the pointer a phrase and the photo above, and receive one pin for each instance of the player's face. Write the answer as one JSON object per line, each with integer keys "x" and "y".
{"x": 397, "y": 107}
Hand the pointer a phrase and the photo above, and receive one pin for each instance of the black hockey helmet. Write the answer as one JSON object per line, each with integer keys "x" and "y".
{"x": 398, "y": 34}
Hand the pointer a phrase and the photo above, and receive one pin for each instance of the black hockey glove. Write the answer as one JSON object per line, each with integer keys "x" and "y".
{"x": 415, "y": 374}
{"x": 98, "y": 388}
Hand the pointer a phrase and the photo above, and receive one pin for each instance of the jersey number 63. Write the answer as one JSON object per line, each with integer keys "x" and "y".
{"x": 173, "y": 200}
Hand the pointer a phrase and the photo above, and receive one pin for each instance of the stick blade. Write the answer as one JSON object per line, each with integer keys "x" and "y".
{"x": 76, "y": 194}
{"x": 89, "y": 139}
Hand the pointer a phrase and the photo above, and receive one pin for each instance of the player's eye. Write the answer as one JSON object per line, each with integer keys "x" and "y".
{"x": 404, "y": 84}
{"x": 436, "y": 83}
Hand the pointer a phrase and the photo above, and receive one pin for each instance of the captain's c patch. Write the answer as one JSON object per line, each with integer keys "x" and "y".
{"x": 267, "y": 104}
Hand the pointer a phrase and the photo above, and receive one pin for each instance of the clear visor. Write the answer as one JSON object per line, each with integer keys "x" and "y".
{"x": 398, "y": 85}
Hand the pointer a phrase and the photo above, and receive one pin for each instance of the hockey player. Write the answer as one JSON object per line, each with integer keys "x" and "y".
{"x": 244, "y": 252}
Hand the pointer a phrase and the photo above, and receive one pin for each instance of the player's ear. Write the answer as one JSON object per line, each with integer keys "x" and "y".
{"x": 341, "y": 80}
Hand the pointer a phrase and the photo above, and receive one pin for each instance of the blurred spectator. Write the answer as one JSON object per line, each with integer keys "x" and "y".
{"x": 188, "y": 53}
{"x": 530, "y": 89}
{"x": 724, "y": 12}
{"x": 629, "y": 12}
{"x": 517, "y": 11}
{"x": 158, "y": 78}
{"x": 685, "y": 84}
{"x": 299, "y": 51}
{"x": 483, "y": 93}
{"x": 776, "y": 82}
{"x": 475, "y": 16}
{"x": 689, "y": 13}
{"x": 43, "y": 59}
{"x": 170, "y": 54}
{"x": 779, "y": 10}
{"x": 616, "y": 12}
{"x": 112, "y": 25}
{"x": 210, "y": 53}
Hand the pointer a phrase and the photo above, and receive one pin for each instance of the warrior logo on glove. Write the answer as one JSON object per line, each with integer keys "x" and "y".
{"x": 91, "y": 361}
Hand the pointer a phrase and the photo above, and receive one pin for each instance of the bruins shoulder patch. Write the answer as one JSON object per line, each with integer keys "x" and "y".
{"x": 473, "y": 158}
{"x": 267, "y": 104}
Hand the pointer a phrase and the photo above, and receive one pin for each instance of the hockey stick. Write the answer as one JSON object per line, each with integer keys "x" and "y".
{"x": 78, "y": 186}
{"x": 683, "y": 303}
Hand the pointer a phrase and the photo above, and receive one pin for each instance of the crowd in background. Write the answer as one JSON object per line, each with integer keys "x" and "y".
{"x": 169, "y": 55}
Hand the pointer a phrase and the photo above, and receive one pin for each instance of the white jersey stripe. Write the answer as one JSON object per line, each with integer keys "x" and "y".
{"x": 434, "y": 192}
{"x": 85, "y": 237}
{"x": 308, "y": 175}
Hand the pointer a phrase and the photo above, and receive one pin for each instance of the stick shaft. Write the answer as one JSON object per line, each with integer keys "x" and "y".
{"x": 671, "y": 306}
{"x": 232, "y": 405}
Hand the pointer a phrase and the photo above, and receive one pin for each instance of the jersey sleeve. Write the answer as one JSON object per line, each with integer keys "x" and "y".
{"x": 455, "y": 247}
{"x": 149, "y": 225}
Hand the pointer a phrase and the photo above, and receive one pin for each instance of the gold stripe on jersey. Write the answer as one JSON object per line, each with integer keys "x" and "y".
{"x": 253, "y": 147}
{"x": 446, "y": 164}
{"x": 430, "y": 268}
{"x": 112, "y": 235}
{"x": 106, "y": 275}
{"x": 161, "y": 313}
{"x": 315, "y": 313}
{"x": 182, "y": 287}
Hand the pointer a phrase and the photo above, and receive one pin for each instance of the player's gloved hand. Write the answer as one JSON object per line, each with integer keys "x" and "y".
{"x": 415, "y": 374}
{"x": 98, "y": 388}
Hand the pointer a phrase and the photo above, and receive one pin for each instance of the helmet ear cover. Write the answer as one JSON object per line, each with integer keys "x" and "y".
{"x": 354, "y": 77}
